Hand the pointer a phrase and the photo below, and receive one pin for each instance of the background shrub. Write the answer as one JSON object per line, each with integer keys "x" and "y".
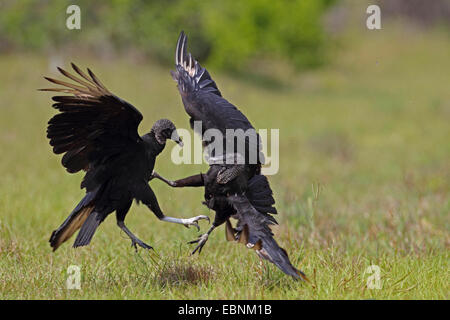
{"x": 226, "y": 34}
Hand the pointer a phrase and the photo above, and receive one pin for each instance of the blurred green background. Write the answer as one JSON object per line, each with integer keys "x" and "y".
{"x": 265, "y": 28}
{"x": 363, "y": 116}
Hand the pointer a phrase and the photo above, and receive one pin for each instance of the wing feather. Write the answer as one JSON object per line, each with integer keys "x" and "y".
{"x": 92, "y": 123}
{"x": 203, "y": 100}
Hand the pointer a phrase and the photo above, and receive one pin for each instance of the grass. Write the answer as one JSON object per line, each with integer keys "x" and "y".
{"x": 370, "y": 131}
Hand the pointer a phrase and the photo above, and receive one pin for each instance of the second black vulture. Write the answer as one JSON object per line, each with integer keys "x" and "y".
{"x": 234, "y": 185}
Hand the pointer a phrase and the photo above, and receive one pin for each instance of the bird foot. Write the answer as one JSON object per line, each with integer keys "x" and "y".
{"x": 137, "y": 242}
{"x": 201, "y": 242}
{"x": 193, "y": 221}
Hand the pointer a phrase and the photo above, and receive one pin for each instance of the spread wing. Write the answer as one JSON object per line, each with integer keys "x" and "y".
{"x": 92, "y": 124}
{"x": 204, "y": 102}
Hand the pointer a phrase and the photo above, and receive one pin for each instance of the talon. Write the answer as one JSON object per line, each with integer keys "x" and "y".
{"x": 199, "y": 248}
{"x": 193, "y": 221}
{"x": 201, "y": 242}
{"x": 188, "y": 225}
{"x": 141, "y": 244}
{"x": 133, "y": 244}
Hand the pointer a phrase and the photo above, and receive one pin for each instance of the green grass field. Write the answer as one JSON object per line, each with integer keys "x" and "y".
{"x": 371, "y": 131}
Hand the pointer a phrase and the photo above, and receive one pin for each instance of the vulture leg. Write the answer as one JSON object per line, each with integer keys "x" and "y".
{"x": 135, "y": 241}
{"x": 120, "y": 215}
{"x": 218, "y": 220}
{"x": 145, "y": 194}
{"x": 157, "y": 176}
{"x": 201, "y": 240}
{"x": 186, "y": 222}
{"x": 192, "y": 181}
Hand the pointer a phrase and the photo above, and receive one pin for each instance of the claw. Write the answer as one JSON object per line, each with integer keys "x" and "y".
{"x": 193, "y": 221}
{"x": 195, "y": 224}
{"x": 201, "y": 242}
{"x": 141, "y": 244}
{"x": 133, "y": 244}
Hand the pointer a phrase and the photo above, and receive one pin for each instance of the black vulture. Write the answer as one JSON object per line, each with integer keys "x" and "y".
{"x": 234, "y": 185}
{"x": 98, "y": 133}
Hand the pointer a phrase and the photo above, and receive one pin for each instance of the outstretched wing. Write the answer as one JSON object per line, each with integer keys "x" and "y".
{"x": 92, "y": 124}
{"x": 197, "y": 77}
{"x": 253, "y": 230}
{"x": 204, "y": 102}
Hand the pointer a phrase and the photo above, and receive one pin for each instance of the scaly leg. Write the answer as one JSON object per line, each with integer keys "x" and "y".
{"x": 201, "y": 240}
{"x": 145, "y": 194}
{"x": 134, "y": 240}
{"x": 186, "y": 222}
{"x": 191, "y": 181}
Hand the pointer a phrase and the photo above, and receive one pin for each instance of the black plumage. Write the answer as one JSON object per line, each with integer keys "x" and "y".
{"x": 98, "y": 132}
{"x": 234, "y": 186}
{"x": 204, "y": 103}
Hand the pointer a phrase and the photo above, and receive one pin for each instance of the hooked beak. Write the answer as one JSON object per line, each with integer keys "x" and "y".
{"x": 180, "y": 142}
{"x": 175, "y": 137}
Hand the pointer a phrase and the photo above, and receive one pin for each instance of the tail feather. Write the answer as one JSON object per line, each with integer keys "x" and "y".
{"x": 253, "y": 230}
{"x": 279, "y": 257}
{"x": 87, "y": 231}
{"x": 73, "y": 222}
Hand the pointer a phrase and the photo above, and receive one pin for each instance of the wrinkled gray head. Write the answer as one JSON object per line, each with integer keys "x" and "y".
{"x": 165, "y": 129}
